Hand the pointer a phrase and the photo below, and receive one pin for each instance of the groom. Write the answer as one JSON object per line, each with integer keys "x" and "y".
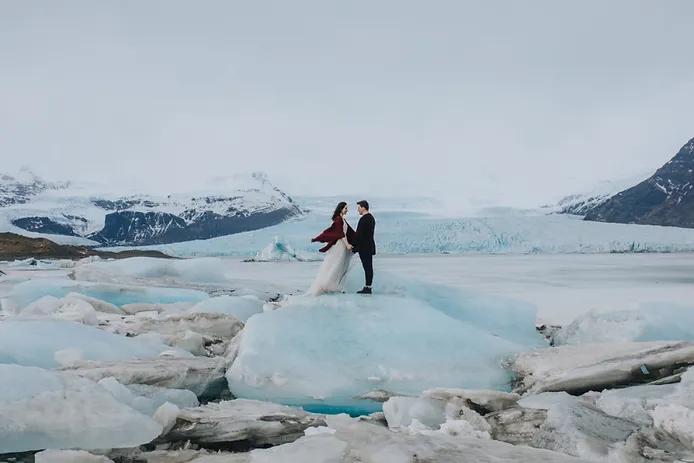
{"x": 365, "y": 244}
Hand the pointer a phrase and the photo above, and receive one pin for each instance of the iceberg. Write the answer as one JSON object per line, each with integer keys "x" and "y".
{"x": 510, "y": 319}
{"x": 29, "y": 291}
{"x": 48, "y": 343}
{"x": 241, "y": 307}
{"x": 325, "y": 353}
{"x": 279, "y": 250}
{"x": 649, "y": 322}
{"x": 42, "y": 409}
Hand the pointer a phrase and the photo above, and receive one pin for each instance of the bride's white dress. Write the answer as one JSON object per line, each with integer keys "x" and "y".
{"x": 334, "y": 269}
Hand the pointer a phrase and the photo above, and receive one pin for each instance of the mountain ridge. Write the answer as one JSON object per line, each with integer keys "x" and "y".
{"x": 663, "y": 198}
{"x": 228, "y": 206}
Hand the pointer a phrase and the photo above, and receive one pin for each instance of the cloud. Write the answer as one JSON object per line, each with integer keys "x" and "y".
{"x": 506, "y": 102}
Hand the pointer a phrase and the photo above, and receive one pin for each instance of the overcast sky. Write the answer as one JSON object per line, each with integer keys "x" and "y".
{"x": 500, "y": 101}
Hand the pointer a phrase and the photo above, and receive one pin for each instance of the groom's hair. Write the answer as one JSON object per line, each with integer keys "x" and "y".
{"x": 363, "y": 203}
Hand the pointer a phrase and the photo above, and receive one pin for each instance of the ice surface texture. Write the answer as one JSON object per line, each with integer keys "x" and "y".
{"x": 322, "y": 352}
{"x": 29, "y": 291}
{"x": 46, "y": 409}
{"x": 48, "y": 343}
{"x": 147, "y": 399}
{"x": 650, "y": 322}
{"x": 241, "y": 307}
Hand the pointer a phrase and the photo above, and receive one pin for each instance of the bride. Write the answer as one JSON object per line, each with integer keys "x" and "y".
{"x": 338, "y": 254}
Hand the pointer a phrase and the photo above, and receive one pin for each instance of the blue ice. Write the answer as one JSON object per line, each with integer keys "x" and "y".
{"x": 323, "y": 352}
{"x": 27, "y": 292}
{"x": 241, "y": 307}
{"x": 42, "y": 409}
{"x": 650, "y": 322}
{"x": 46, "y": 342}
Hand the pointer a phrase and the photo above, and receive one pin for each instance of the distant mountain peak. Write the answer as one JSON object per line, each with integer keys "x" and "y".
{"x": 227, "y": 205}
{"x": 664, "y": 198}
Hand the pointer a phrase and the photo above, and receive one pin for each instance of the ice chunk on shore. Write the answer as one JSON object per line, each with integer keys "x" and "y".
{"x": 147, "y": 399}
{"x": 580, "y": 368}
{"x": 47, "y": 409}
{"x": 402, "y": 411}
{"x": 279, "y": 249}
{"x": 67, "y": 308}
{"x": 69, "y": 456}
{"x": 188, "y": 331}
{"x": 322, "y": 352}
{"x": 241, "y": 421}
{"x": 351, "y": 440}
{"x": 42, "y": 342}
{"x": 27, "y": 292}
{"x": 241, "y": 307}
{"x": 650, "y": 322}
{"x": 197, "y": 374}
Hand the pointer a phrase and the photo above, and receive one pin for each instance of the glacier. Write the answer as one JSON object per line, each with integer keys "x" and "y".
{"x": 322, "y": 353}
{"x": 42, "y": 409}
{"x": 421, "y": 233}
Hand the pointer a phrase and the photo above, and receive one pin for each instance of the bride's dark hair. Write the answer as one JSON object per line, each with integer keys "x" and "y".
{"x": 338, "y": 210}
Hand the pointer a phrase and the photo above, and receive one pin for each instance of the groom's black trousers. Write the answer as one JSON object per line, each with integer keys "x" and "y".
{"x": 367, "y": 261}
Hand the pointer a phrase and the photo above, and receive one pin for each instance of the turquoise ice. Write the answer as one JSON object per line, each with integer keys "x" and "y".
{"x": 323, "y": 352}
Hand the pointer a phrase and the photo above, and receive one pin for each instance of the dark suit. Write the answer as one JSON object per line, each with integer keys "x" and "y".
{"x": 366, "y": 246}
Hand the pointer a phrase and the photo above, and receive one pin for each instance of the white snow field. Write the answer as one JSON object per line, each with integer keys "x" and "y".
{"x": 104, "y": 356}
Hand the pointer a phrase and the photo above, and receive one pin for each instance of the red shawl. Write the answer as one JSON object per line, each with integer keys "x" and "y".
{"x": 333, "y": 234}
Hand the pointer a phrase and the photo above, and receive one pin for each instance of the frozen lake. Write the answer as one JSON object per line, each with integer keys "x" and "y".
{"x": 561, "y": 286}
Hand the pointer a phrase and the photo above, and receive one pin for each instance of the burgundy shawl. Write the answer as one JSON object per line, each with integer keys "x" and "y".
{"x": 333, "y": 234}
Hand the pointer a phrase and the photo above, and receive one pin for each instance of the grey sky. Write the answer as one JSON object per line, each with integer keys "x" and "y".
{"x": 495, "y": 101}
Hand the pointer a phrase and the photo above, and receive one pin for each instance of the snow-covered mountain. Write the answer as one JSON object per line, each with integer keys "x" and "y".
{"x": 226, "y": 206}
{"x": 661, "y": 199}
{"x": 582, "y": 203}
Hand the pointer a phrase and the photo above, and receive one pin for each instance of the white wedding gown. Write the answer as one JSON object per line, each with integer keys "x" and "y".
{"x": 334, "y": 269}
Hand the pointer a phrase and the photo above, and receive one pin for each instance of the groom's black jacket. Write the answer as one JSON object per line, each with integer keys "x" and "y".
{"x": 364, "y": 236}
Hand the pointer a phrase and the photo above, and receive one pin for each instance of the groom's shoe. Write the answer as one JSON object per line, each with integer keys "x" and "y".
{"x": 365, "y": 290}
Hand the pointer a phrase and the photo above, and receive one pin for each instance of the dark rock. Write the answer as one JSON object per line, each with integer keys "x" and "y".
{"x": 149, "y": 228}
{"x": 17, "y": 247}
{"x": 43, "y": 225}
{"x": 662, "y": 199}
